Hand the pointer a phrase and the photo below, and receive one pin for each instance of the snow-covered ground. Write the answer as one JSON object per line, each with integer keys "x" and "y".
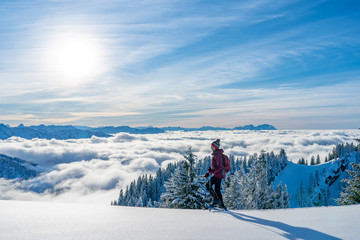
{"x": 49, "y": 220}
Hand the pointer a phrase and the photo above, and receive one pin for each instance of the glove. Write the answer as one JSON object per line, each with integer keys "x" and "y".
{"x": 206, "y": 175}
{"x": 210, "y": 170}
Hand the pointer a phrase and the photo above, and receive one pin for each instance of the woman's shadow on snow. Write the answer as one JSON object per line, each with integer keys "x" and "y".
{"x": 289, "y": 232}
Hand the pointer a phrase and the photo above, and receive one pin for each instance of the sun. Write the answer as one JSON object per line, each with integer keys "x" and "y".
{"x": 74, "y": 58}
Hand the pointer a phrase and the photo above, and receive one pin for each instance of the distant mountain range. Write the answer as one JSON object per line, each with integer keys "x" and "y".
{"x": 47, "y": 132}
{"x": 77, "y": 132}
{"x": 207, "y": 128}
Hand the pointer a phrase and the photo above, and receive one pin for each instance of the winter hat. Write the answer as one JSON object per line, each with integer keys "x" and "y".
{"x": 216, "y": 144}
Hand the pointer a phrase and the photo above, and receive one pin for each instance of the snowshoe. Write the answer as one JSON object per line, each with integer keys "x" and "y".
{"x": 215, "y": 206}
{"x": 222, "y": 206}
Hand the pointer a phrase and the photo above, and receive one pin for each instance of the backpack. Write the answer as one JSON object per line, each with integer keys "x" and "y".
{"x": 226, "y": 162}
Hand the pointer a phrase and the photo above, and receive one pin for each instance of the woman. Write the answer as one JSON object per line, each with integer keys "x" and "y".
{"x": 218, "y": 173}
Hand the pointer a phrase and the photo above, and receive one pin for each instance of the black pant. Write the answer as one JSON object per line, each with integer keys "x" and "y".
{"x": 217, "y": 193}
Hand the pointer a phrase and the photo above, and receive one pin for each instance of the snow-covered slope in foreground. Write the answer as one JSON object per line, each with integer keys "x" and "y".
{"x": 46, "y": 220}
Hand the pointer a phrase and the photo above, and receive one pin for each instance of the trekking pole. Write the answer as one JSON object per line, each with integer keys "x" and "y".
{"x": 210, "y": 193}
{"x": 206, "y": 189}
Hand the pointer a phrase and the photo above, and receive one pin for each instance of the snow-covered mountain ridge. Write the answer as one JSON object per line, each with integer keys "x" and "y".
{"x": 47, "y": 132}
{"x": 78, "y": 132}
{"x": 319, "y": 184}
{"x": 48, "y": 220}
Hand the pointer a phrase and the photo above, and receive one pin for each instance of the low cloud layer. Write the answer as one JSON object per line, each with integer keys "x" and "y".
{"x": 93, "y": 170}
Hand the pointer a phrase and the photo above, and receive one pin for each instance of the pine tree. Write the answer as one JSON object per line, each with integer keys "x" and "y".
{"x": 302, "y": 196}
{"x": 149, "y": 204}
{"x": 351, "y": 194}
{"x": 264, "y": 190}
{"x": 139, "y": 202}
{"x": 234, "y": 194}
{"x": 283, "y": 160}
{"x": 254, "y": 190}
{"x": 250, "y": 186}
{"x": 312, "y": 184}
{"x": 286, "y": 197}
{"x": 317, "y": 177}
{"x": 301, "y": 161}
{"x": 280, "y": 197}
{"x": 312, "y": 162}
{"x": 326, "y": 196}
{"x": 184, "y": 188}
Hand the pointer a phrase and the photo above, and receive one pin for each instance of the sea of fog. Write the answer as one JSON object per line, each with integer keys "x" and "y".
{"x": 93, "y": 170}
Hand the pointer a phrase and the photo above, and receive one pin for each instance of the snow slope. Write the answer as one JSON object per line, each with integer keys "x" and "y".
{"x": 50, "y": 221}
{"x": 293, "y": 174}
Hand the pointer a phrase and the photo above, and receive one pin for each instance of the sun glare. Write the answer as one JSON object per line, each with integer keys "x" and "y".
{"x": 74, "y": 58}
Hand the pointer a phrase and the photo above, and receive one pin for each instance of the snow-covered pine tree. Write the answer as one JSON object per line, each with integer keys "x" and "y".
{"x": 264, "y": 190}
{"x": 312, "y": 184}
{"x": 312, "y": 162}
{"x": 280, "y": 197}
{"x": 250, "y": 186}
{"x": 121, "y": 200}
{"x": 301, "y": 161}
{"x": 204, "y": 164}
{"x": 302, "y": 196}
{"x": 234, "y": 195}
{"x": 326, "y": 196}
{"x": 317, "y": 177}
{"x": 149, "y": 204}
{"x": 184, "y": 188}
{"x": 286, "y": 197}
{"x": 275, "y": 163}
{"x": 351, "y": 194}
{"x": 254, "y": 189}
{"x": 146, "y": 188}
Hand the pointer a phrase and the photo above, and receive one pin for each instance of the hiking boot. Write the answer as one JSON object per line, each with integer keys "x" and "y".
{"x": 223, "y": 207}
{"x": 214, "y": 204}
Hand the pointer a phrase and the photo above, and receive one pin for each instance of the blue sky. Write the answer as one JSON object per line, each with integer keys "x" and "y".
{"x": 292, "y": 64}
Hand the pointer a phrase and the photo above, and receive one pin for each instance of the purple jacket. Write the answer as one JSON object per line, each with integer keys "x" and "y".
{"x": 217, "y": 164}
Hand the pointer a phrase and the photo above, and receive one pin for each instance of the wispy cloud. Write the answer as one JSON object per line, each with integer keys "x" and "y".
{"x": 159, "y": 57}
